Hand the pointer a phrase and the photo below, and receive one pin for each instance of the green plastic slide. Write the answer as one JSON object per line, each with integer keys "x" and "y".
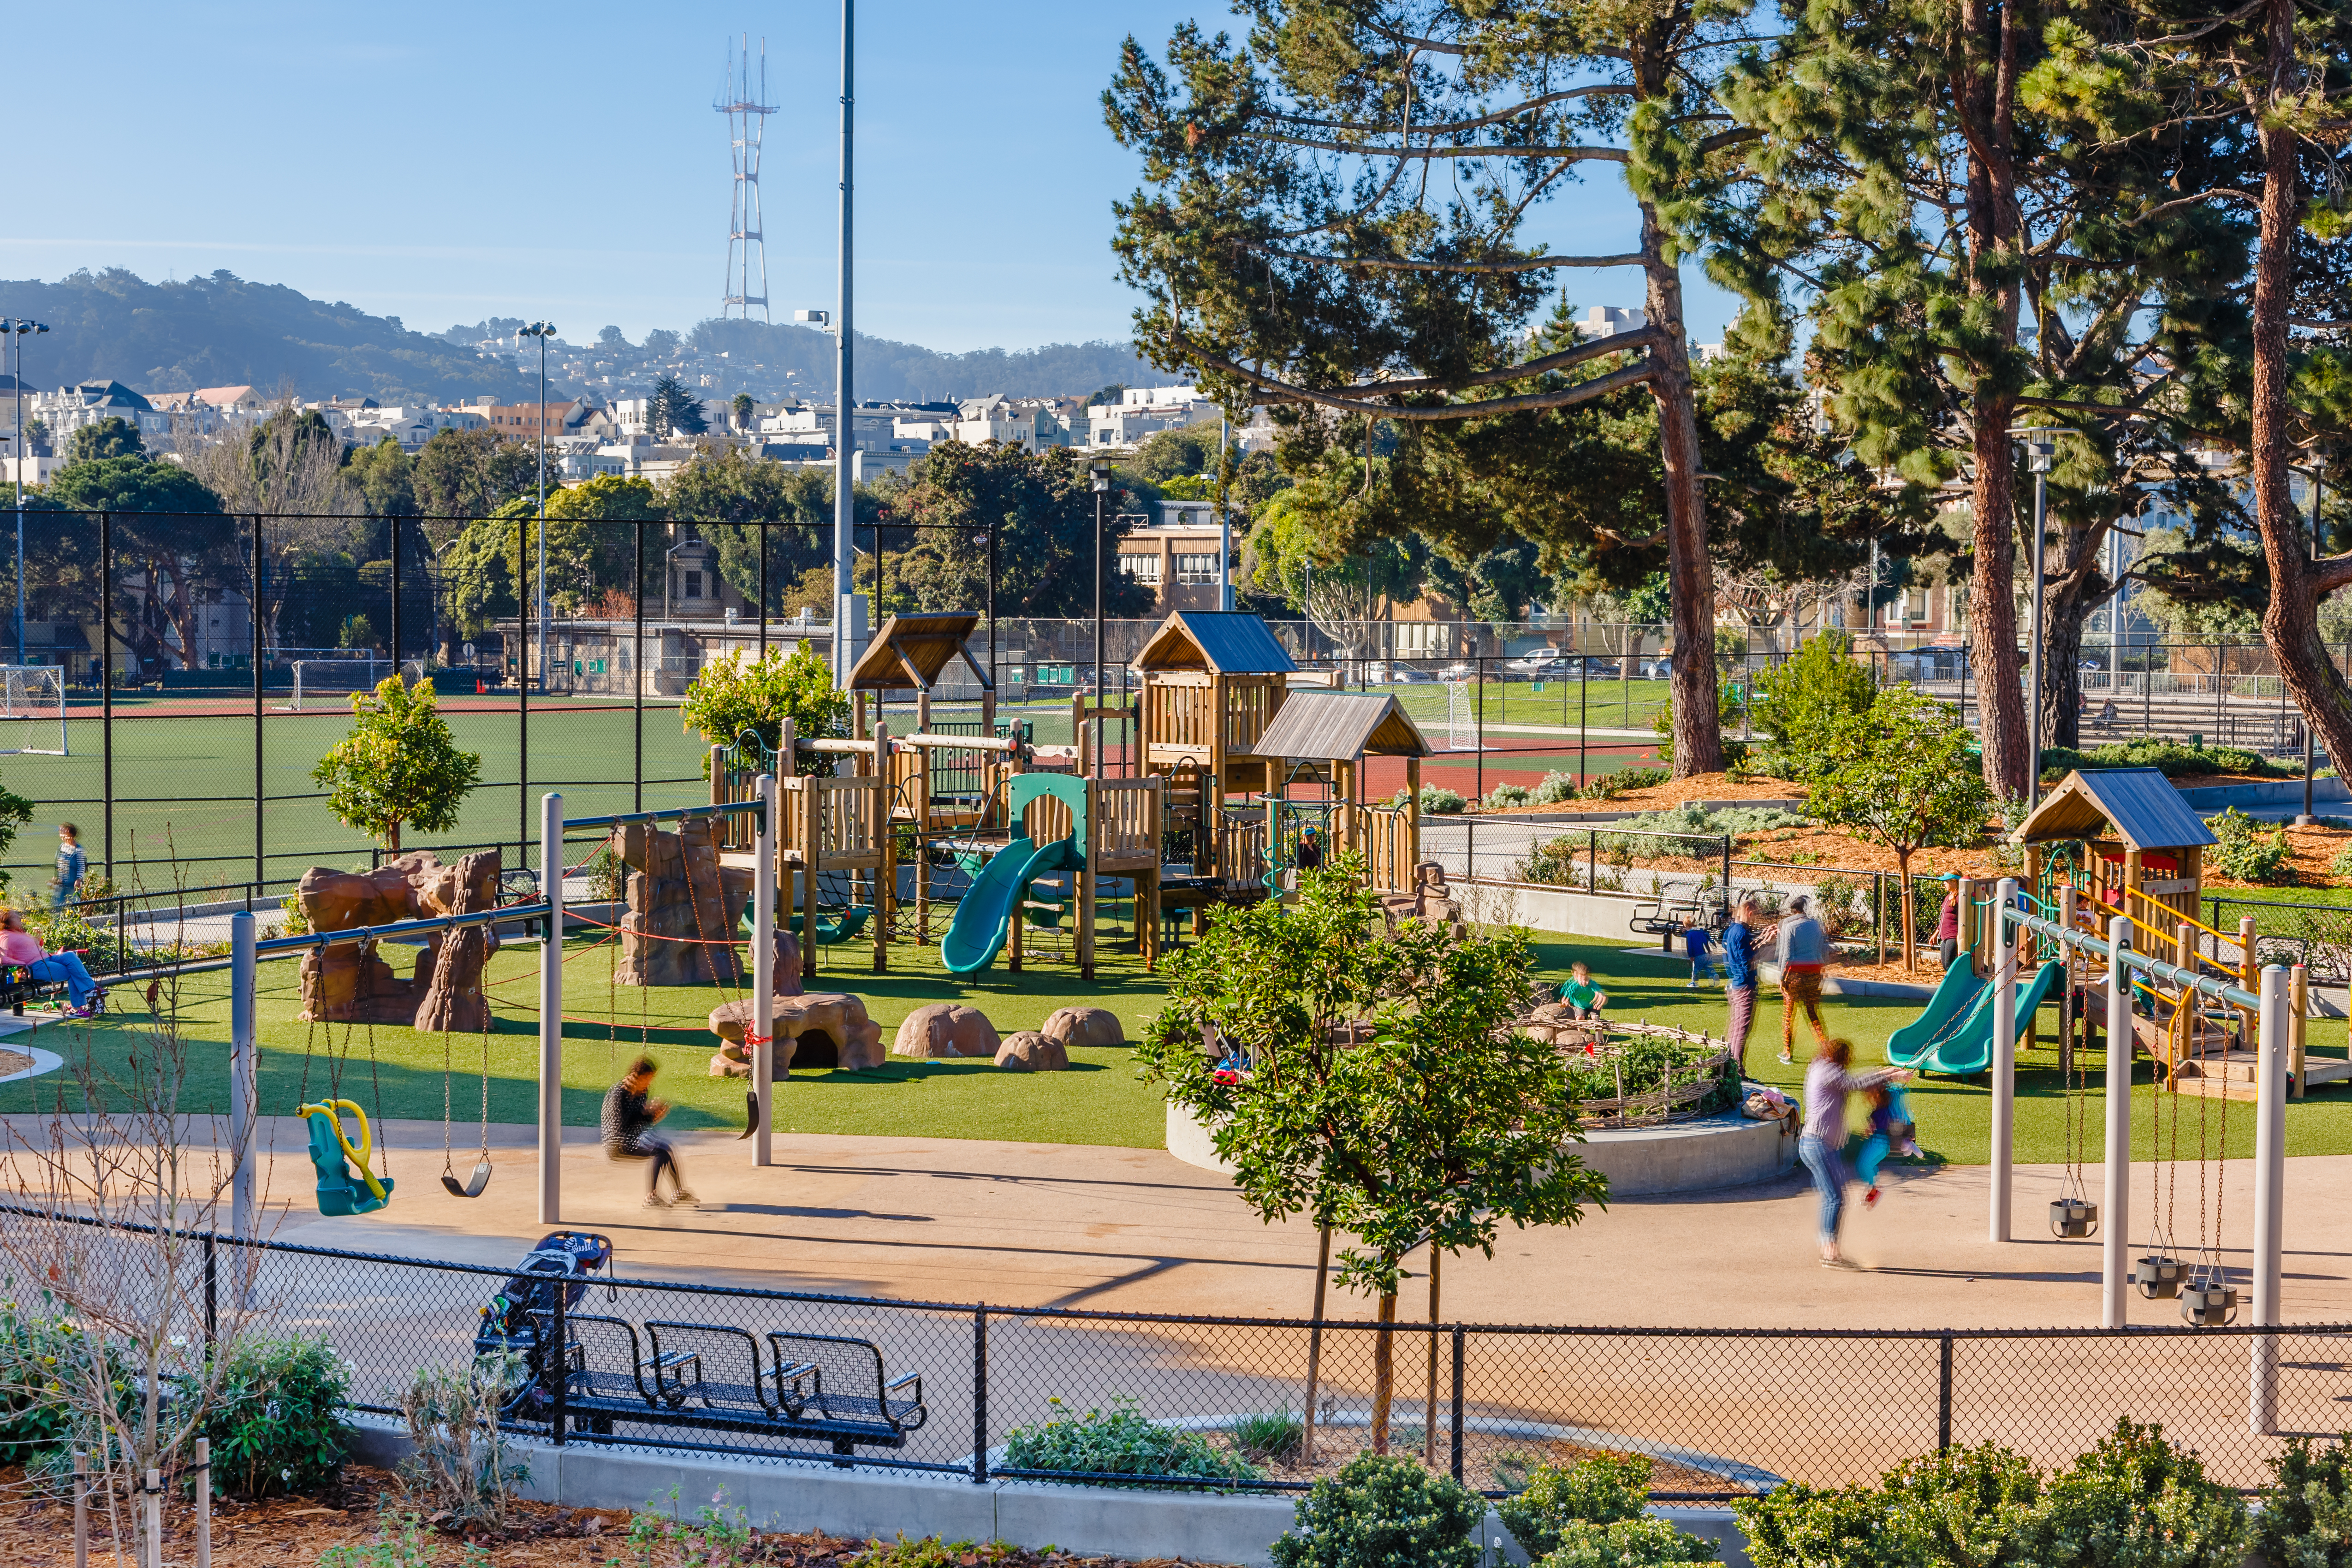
{"x": 985, "y": 917}
{"x": 1954, "y": 1035}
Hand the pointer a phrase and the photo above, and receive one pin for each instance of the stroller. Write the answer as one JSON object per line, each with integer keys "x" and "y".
{"x": 515, "y": 1321}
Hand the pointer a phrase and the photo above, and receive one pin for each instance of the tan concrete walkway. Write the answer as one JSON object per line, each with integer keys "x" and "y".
{"x": 1061, "y": 1225}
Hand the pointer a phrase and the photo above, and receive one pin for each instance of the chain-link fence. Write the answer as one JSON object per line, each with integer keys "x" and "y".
{"x": 1721, "y": 1413}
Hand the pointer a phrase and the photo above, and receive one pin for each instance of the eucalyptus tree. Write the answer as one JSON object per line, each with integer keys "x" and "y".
{"x": 1338, "y": 222}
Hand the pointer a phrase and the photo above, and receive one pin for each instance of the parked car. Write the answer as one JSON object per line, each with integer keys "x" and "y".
{"x": 1410, "y": 675}
{"x": 1539, "y": 667}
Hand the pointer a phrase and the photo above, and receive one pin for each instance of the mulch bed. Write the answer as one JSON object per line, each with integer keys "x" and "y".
{"x": 291, "y": 1532}
{"x": 12, "y": 1061}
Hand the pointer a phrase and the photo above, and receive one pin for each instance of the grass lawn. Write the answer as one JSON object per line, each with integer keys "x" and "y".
{"x": 1101, "y": 1100}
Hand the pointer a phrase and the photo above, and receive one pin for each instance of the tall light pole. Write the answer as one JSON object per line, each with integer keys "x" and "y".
{"x": 2039, "y": 444}
{"x": 844, "y": 504}
{"x": 542, "y": 330}
{"x": 1098, "y": 473}
{"x": 2320, "y": 452}
{"x": 16, "y": 328}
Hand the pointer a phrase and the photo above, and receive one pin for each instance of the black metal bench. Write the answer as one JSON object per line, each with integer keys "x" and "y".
{"x": 17, "y": 985}
{"x": 824, "y": 1387}
{"x": 1665, "y": 919}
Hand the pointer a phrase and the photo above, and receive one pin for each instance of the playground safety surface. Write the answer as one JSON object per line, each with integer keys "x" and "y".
{"x": 1135, "y": 1230}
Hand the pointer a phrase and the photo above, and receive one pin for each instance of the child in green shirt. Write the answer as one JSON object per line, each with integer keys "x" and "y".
{"x": 1585, "y": 999}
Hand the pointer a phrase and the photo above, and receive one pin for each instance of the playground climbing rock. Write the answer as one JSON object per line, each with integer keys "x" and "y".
{"x": 344, "y": 983}
{"x": 1085, "y": 1026}
{"x": 946, "y": 1029}
{"x": 683, "y": 907}
{"x": 1026, "y": 1051}
{"x": 817, "y": 1029}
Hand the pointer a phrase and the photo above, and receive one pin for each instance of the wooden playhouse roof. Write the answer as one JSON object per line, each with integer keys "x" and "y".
{"x": 1226, "y": 642}
{"x": 1337, "y": 725}
{"x": 2147, "y": 812}
{"x": 911, "y": 652}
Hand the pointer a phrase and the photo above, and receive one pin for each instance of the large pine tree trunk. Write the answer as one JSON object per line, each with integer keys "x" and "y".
{"x": 2291, "y": 624}
{"x": 1992, "y": 604}
{"x": 1698, "y": 736}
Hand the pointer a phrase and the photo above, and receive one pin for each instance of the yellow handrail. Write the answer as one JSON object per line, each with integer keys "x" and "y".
{"x": 2165, "y": 937}
{"x": 2192, "y": 920}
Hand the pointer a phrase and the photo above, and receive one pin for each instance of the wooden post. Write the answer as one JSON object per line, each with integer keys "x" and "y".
{"x": 1013, "y": 822}
{"x": 2067, "y": 1038}
{"x": 1090, "y": 844}
{"x": 717, "y": 776}
{"x": 812, "y": 793}
{"x": 2248, "y": 974}
{"x": 886, "y": 851}
{"x": 1965, "y": 889}
{"x": 2298, "y": 1010}
{"x": 923, "y": 820}
{"x": 204, "y": 1502}
{"x": 2184, "y": 953}
{"x": 80, "y": 1510}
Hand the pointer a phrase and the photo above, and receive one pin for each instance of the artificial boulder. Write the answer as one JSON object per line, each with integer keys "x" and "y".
{"x": 345, "y": 983}
{"x": 683, "y": 907}
{"x": 815, "y": 1029}
{"x": 1027, "y": 1050}
{"x": 1072, "y": 1026}
{"x": 946, "y": 1029}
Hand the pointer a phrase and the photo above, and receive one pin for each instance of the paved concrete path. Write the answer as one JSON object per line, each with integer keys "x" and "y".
{"x": 1065, "y": 1225}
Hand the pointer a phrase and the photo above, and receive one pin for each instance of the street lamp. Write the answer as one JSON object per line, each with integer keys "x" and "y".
{"x": 16, "y": 328}
{"x": 1098, "y": 473}
{"x": 542, "y": 330}
{"x": 2321, "y": 451}
{"x": 2040, "y": 444}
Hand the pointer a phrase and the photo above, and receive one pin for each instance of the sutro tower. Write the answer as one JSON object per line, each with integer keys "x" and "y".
{"x": 747, "y": 121}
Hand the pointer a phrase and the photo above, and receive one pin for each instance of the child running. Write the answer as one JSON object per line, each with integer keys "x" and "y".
{"x": 1585, "y": 999}
{"x": 1892, "y": 1132}
{"x": 1700, "y": 945}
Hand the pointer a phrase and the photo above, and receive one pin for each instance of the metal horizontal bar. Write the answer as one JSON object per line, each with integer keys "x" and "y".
{"x": 2154, "y": 967}
{"x": 317, "y": 939}
{"x": 677, "y": 812}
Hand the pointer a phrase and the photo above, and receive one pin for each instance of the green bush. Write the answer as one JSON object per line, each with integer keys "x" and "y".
{"x": 1382, "y": 1512}
{"x": 1800, "y": 704}
{"x": 1608, "y": 786}
{"x": 2136, "y": 1502}
{"x": 33, "y": 1417}
{"x": 1433, "y": 799}
{"x": 1555, "y": 788}
{"x": 1965, "y": 1507}
{"x": 1506, "y": 794}
{"x": 2248, "y": 851}
{"x": 735, "y": 692}
{"x": 2307, "y": 1520}
{"x": 1626, "y": 1543}
{"x": 1120, "y": 1441}
{"x": 2341, "y": 865}
{"x": 2171, "y": 758}
{"x": 280, "y": 1425}
{"x": 1602, "y": 1490}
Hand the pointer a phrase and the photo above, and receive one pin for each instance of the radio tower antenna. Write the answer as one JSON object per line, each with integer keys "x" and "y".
{"x": 747, "y": 121}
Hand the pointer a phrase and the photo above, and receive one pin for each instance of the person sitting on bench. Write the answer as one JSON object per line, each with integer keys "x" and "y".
{"x": 20, "y": 946}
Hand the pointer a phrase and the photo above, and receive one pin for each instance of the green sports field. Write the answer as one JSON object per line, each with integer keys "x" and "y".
{"x": 184, "y": 813}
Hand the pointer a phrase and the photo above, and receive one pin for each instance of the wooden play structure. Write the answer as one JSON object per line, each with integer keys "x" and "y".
{"x": 1062, "y": 826}
{"x": 833, "y": 826}
{"x": 2121, "y": 842}
{"x": 1318, "y": 741}
{"x": 1208, "y": 684}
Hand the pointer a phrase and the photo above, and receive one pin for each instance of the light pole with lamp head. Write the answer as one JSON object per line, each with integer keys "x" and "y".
{"x": 16, "y": 328}
{"x": 2040, "y": 443}
{"x": 2321, "y": 451}
{"x": 542, "y": 330}
{"x": 1098, "y": 475}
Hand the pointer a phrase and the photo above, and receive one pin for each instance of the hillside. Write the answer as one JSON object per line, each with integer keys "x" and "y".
{"x": 225, "y": 331}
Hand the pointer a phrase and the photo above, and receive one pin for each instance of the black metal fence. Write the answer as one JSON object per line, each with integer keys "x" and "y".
{"x": 1720, "y": 1412}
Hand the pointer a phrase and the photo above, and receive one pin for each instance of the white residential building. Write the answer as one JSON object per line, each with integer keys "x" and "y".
{"x": 1143, "y": 410}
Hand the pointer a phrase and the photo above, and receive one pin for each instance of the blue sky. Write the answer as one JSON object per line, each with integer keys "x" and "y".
{"x": 447, "y": 164}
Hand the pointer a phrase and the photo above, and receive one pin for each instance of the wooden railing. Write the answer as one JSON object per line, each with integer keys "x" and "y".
{"x": 1128, "y": 837}
{"x": 1385, "y": 835}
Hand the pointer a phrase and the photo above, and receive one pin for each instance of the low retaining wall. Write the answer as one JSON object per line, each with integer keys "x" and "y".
{"x": 796, "y": 1494}
{"x": 2273, "y": 792}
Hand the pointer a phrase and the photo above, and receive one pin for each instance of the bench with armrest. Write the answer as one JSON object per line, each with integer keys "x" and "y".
{"x": 824, "y": 1387}
{"x": 1665, "y": 918}
{"x": 17, "y": 985}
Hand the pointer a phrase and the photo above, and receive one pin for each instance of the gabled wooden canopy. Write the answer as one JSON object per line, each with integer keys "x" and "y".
{"x": 911, "y": 652}
{"x": 1223, "y": 642}
{"x": 2146, "y": 809}
{"x": 1339, "y": 726}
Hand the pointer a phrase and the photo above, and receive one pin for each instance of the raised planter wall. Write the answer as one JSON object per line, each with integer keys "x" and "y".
{"x": 864, "y": 1504}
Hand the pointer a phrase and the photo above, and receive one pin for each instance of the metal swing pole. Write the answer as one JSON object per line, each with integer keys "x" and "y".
{"x": 550, "y": 1012}
{"x": 2115, "y": 1206}
{"x": 2269, "y": 1184}
{"x": 763, "y": 1024}
{"x": 244, "y": 1103}
{"x": 2004, "y": 1052}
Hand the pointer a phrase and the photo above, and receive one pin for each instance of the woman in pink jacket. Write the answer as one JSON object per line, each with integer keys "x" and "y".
{"x": 20, "y": 946}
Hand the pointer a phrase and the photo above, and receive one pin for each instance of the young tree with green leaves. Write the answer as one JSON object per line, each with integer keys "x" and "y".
{"x": 399, "y": 767}
{"x": 1801, "y": 704}
{"x": 1900, "y": 773}
{"x": 737, "y": 694}
{"x": 1386, "y": 1095}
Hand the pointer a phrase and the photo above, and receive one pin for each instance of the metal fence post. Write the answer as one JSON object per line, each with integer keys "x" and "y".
{"x": 2115, "y": 1224}
{"x": 212, "y": 1294}
{"x": 1458, "y": 1338}
{"x": 1593, "y": 860}
{"x": 980, "y": 1396}
{"x": 260, "y": 766}
{"x": 556, "y": 1365}
{"x": 550, "y": 1012}
{"x": 2004, "y": 1056}
{"x": 2269, "y": 1180}
{"x": 244, "y": 1104}
{"x": 760, "y": 1028}
{"x": 1943, "y": 1392}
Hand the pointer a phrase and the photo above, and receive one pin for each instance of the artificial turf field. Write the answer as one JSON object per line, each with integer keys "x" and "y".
{"x": 1101, "y": 1100}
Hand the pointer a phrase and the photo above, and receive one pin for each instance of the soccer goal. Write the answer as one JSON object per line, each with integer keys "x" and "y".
{"x": 32, "y": 709}
{"x": 328, "y": 684}
{"x": 1461, "y": 718}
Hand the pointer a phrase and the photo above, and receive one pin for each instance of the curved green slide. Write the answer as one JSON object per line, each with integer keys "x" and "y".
{"x": 985, "y": 917}
{"x": 1954, "y": 1035}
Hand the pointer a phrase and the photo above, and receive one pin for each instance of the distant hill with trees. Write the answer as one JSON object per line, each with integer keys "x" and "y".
{"x": 225, "y": 331}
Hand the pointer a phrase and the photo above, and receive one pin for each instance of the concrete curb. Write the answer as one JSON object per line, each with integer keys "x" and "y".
{"x": 803, "y": 1495}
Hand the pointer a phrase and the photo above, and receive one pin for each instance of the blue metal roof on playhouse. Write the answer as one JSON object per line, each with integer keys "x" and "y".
{"x": 1230, "y": 642}
{"x": 2146, "y": 809}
